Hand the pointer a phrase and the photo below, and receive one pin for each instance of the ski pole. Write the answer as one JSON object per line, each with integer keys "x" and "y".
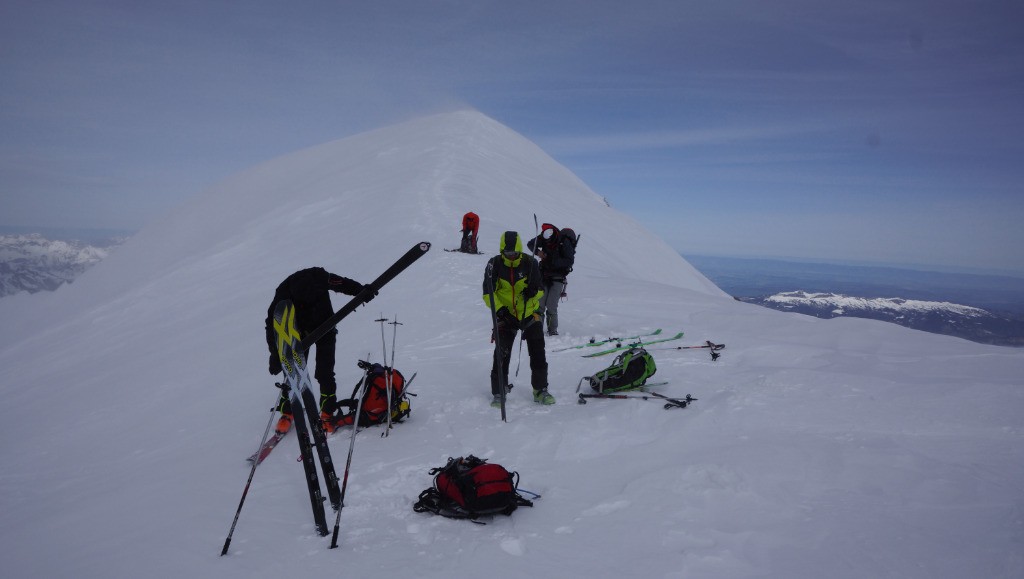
{"x": 536, "y": 234}
{"x": 252, "y": 471}
{"x": 408, "y": 385}
{"x": 499, "y": 366}
{"x": 533, "y": 251}
{"x": 390, "y": 372}
{"x": 680, "y": 402}
{"x": 532, "y": 494}
{"x": 707, "y": 344}
{"x": 348, "y": 462}
{"x": 715, "y": 348}
{"x": 671, "y": 402}
{"x": 387, "y": 373}
{"x": 519, "y": 360}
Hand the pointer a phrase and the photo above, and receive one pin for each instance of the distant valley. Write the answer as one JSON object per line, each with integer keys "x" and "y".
{"x": 982, "y": 308}
{"x": 32, "y": 262}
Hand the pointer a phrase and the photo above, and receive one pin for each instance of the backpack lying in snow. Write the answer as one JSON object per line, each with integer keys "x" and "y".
{"x": 469, "y": 487}
{"x": 375, "y": 397}
{"x": 629, "y": 371}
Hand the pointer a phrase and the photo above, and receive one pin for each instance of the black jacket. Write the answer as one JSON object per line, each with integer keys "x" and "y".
{"x": 559, "y": 254}
{"x": 307, "y": 289}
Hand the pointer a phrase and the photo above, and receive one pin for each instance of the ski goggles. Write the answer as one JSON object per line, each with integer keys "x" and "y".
{"x": 511, "y": 254}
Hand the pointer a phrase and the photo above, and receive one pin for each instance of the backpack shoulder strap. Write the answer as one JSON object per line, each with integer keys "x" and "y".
{"x": 429, "y": 501}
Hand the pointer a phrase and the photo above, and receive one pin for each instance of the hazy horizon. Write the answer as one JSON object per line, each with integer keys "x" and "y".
{"x": 64, "y": 233}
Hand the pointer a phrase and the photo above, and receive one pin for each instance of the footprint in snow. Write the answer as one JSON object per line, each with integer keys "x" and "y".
{"x": 606, "y": 508}
{"x": 513, "y": 547}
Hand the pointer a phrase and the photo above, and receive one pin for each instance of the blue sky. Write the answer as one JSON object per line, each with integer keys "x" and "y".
{"x": 885, "y": 131}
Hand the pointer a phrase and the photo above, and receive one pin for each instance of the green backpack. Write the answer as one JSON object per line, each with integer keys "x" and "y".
{"x": 629, "y": 371}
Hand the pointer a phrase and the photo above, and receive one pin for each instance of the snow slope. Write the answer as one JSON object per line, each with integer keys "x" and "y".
{"x": 818, "y": 448}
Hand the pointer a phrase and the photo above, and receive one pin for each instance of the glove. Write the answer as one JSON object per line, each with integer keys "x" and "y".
{"x": 275, "y": 365}
{"x": 506, "y": 319}
{"x": 372, "y": 294}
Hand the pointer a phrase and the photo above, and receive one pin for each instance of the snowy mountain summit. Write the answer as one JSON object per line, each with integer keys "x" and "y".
{"x": 816, "y": 448}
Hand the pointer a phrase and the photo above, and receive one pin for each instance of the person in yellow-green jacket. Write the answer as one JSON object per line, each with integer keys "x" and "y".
{"x": 517, "y": 287}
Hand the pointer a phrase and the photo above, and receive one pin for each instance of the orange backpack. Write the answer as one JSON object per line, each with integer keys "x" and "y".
{"x": 375, "y": 397}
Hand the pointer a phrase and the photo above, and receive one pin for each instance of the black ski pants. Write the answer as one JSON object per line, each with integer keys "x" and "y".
{"x": 533, "y": 335}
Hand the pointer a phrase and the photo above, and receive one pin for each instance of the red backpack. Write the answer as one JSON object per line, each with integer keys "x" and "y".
{"x": 469, "y": 487}
{"x": 375, "y": 398}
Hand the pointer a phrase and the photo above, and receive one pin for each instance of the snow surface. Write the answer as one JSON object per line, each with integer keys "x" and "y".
{"x": 817, "y": 448}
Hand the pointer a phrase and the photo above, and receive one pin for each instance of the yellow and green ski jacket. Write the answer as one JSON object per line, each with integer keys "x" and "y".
{"x": 518, "y": 287}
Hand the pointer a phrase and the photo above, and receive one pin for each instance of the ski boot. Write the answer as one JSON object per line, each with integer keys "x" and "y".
{"x": 284, "y": 424}
{"x": 543, "y": 397}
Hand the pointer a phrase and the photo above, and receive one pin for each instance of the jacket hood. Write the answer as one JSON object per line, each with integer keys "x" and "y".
{"x": 510, "y": 241}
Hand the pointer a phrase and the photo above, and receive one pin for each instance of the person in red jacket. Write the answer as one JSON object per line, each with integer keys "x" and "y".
{"x": 307, "y": 289}
{"x": 470, "y": 230}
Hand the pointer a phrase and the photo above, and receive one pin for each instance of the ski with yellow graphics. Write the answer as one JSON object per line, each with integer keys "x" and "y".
{"x": 312, "y": 409}
{"x": 294, "y": 366}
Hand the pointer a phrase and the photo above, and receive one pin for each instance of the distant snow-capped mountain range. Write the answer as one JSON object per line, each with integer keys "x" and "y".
{"x": 32, "y": 263}
{"x": 840, "y": 304}
{"x": 931, "y": 316}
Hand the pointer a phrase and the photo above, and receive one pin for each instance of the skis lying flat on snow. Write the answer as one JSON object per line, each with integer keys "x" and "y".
{"x": 460, "y": 251}
{"x": 294, "y": 365}
{"x": 644, "y": 395}
{"x": 369, "y": 290}
{"x": 639, "y": 344}
{"x": 618, "y": 341}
